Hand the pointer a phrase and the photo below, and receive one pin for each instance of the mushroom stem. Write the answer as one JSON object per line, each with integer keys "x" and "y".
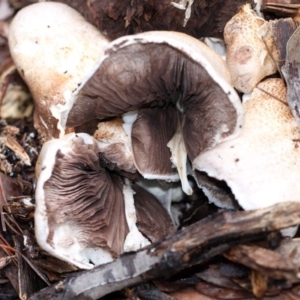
{"x": 134, "y": 239}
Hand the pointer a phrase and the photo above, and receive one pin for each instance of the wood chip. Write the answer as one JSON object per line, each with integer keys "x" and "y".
{"x": 11, "y": 143}
{"x": 4, "y": 261}
{"x": 259, "y": 283}
{"x": 221, "y": 293}
{"x": 265, "y": 261}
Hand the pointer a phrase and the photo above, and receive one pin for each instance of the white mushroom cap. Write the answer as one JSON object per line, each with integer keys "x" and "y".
{"x": 262, "y": 165}
{"x": 56, "y": 51}
{"x": 247, "y": 56}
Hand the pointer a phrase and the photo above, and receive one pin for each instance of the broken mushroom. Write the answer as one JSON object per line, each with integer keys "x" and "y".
{"x": 114, "y": 145}
{"x": 267, "y": 150}
{"x": 291, "y": 74}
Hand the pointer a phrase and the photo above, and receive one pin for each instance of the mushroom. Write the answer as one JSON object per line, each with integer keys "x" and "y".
{"x": 84, "y": 215}
{"x": 250, "y": 58}
{"x": 188, "y": 83}
{"x": 267, "y": 150}
{"x": 114, "y": 145}
{"x": 51, "y": 46}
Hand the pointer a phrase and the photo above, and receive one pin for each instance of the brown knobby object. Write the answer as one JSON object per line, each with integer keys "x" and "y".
{"x": 250, "y": 58}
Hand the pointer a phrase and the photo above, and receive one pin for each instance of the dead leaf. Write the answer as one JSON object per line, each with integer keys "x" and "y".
{"x": 259, "y": 283}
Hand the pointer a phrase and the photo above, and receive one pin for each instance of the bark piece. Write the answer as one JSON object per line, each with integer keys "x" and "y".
{"x": 216, "y": 292}
{"x": 282, "y": 30}
{"x": 199, "y": 18}
{"x": 213, "y": 275}
{"x": 267, "y": 262}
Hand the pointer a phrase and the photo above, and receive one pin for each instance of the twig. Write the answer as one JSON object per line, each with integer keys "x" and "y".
{"x": 2, "y": 203}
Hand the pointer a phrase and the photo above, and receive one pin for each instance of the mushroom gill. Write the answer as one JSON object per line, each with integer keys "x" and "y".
{"x": 254, "y": 164}
{"x": 151, "y": 131}
{"x": 152, "y": 219}
{"x": 78, "y": 203}
{"x": 164, "y": 71}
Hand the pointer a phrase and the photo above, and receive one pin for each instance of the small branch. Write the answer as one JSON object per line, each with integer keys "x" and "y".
{"x": 194, "y": 244}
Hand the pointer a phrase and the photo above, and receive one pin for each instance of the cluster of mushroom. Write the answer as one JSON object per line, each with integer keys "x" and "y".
{"x": 158, "y": 105}
{"x": 143, "y": 105}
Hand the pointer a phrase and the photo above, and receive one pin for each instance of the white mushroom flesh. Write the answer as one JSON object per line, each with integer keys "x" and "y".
{"x": 267, "y": 150}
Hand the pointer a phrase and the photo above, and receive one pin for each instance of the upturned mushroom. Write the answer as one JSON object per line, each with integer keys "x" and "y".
{"x": 85, "y": 215}
{"x": 262, "y": 165}
{"x": 51, "y": 46}
{"x": 186, "y": 90}
{"x": 250, "y": 58}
